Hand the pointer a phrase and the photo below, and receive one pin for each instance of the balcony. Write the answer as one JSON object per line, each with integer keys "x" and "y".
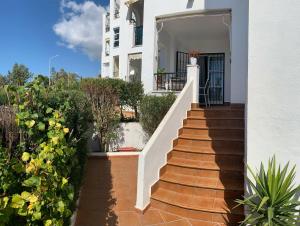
{"x": 170, "y": 81}
{"x": 117, "y": 13}
{"x": 107, "y": 22}
{"x": 138, "y": 35}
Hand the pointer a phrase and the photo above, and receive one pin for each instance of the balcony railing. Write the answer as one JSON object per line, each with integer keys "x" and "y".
{"x": 138, "y": 33}
{"x": 170, "y": 81}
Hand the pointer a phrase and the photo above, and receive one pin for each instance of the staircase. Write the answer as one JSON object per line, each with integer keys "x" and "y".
{"x": 204, "y": 172}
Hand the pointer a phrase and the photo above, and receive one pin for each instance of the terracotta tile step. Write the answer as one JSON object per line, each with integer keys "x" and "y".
{"x": 207, "y": 165}
{"x": 201, "y": 172}
{"x": 198, "y": 203}
{"x": 214, "y": 218}
{"x": 206, "y": 157}
{"x": 216, "y": 113}
{"x": 209, "y": 143}
{"x": 210, "y": 150}
{"x": 221, "y": 107}
{"x": 213, "y": 133}
{"x": 207, "y": 138}
{"x": 198, "y": 191}
{"x": 198, "y": 122}
{"x": 203, "y": 182}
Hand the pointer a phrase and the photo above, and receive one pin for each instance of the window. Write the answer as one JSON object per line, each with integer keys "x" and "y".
{"x": 107, "y": 47}
{"x": 116, "y": 37}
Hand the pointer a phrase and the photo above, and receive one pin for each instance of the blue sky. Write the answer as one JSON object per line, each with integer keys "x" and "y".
{"x": 31, "y": 31}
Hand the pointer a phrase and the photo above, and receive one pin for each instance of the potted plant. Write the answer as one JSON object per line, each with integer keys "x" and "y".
{"x": 272, "y": 197}
{"x": 193, "y": 57}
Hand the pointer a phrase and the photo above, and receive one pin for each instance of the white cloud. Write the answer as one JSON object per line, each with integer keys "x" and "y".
{"x": 81, "y": 27}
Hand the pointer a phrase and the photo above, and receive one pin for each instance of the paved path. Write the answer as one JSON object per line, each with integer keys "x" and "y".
{"x": 108, "y": 197}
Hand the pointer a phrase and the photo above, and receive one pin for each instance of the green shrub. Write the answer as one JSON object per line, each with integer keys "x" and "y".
{"x": 273, "y": 197}
{"x": 3, "y": 96}
{"x": 38, "y": 185}
{"x": 153, "y": 109}
{"x": 132, "y": 95}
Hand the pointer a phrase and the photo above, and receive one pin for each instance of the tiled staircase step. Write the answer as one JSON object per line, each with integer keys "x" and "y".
{"x": 206, "y": 157}
{"x": 202, "y": 172}
{"x": 213, "y": 133}
{"x": 214, "y": 218}
{"x": 209, "y": 143}
{"x": 200, "y": 122}
{"x": 205, "y": 137}
{"x": 220, "y": 113}
{"x": 207, "y": 165}
{"x": 198, "y": 203}
{"x": 203, "y": 182}
{"x": 199, "y": 191}
{"x": 222, "y": 107}
{"x": 209, "y": 150}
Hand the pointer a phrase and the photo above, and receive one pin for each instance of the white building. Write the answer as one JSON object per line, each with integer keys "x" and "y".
{"x": 249, "y": 50}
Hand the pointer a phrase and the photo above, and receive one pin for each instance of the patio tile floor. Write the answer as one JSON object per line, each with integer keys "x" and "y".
{"x": 108, "y": 197}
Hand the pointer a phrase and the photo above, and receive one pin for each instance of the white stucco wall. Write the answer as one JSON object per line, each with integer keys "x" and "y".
{"x": 155, "y": 8}
{"x": 273, "y": 125}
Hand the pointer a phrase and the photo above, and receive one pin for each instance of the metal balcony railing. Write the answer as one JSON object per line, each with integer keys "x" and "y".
{"x": 138, "y": 33}
{"x": 170, "y": 81}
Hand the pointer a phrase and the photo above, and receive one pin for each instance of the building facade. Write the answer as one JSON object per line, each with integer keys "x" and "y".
{"x": 247, "y": 51}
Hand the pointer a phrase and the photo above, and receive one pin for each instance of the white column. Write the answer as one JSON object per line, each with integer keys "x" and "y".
{"x": 193, "y": 75}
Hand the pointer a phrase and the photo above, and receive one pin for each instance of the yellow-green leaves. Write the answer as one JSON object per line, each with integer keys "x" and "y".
{"x": 48, "y": 223}
{"x": 25, "y": 195}
{"x": 64, "y": 181}
{"x": 51, "y": 122}
{"x": 25, "y": 156}
{"x": 61, "y": 207}
{"x": 17, "y": 201}
{"x": 33, "y": 181}
{"x": 41, "y": 126}
{"x": 30, "y": 123}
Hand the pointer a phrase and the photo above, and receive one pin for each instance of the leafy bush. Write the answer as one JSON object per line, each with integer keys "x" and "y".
{"x": 153, "y": 109}
{"x": 272, "y": 199}
{"x": 3, "y": 97}
{"x": 132, "y": 95}
{"x": 104, "y": 101}
{"x": 37, "y": 180}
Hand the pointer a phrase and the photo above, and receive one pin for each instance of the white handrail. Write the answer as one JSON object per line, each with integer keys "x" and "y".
{"x": 154, "y": 155}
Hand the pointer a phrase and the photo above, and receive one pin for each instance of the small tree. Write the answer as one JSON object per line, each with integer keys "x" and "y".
{"x": 132, "y": 95}
{"x": 19, "y": 75}
{"x": 104, "y": 101}
{"x": 3, "y": 80}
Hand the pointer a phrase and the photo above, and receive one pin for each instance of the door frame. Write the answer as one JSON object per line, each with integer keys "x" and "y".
{"x": 224, "y": 70}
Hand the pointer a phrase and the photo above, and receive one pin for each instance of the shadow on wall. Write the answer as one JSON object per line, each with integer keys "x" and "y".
{"x": 190, "y": 4}
{"x": 97, "y": 202}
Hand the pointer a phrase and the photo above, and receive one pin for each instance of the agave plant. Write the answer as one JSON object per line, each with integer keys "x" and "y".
{"x": 272, "y": 199}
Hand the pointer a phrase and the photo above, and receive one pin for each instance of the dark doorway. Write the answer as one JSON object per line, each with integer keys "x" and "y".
{"x": 212, "y": 70}
{"x": 212, "y": 67}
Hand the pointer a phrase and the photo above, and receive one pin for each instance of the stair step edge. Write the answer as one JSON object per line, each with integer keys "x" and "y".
{"x": 205, "y": 168}
{"x": 218, "y": 211}
{"x": 212, "y": 128}
{"x": 200, "y": 186}
{"x": 187, "y": 149}
{"x": 188, "y": 137}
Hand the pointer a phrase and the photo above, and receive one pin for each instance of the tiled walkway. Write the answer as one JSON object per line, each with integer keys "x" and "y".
{"x": 108, "y": 197}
